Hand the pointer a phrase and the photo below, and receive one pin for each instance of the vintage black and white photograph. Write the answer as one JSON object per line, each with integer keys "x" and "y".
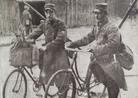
{"x": 68, "y": 49}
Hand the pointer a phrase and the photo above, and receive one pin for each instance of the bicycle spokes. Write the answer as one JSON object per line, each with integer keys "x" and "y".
{"x": 15, "y": 85}
{"x": 60, "y": 87}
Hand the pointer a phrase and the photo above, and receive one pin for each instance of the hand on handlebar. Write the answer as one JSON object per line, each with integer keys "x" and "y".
{"x": 68, "y": 44}
{"x": 90, "y": 50}
{"x": 31, "y": 41}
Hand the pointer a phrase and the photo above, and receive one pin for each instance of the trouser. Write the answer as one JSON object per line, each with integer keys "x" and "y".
{"x": 112, "y": 86}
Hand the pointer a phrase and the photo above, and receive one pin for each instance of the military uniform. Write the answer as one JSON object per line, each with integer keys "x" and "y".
{"x": 107, "y": 42}
{"x": 55, "y": 57}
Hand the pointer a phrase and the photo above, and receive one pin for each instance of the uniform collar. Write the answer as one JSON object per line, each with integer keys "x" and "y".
{"x": 53, "y": 22}
{"x": 100, "y": 25}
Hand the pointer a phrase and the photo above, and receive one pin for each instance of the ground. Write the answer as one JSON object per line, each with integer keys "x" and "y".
{"x": 130, "y": 37}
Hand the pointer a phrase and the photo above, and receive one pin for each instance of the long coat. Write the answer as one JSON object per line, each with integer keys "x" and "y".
{"x": 55, "y": 56}
{"x": 106, "y": 38}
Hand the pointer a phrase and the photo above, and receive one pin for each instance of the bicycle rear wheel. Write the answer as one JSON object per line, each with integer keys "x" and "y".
{"x": 15, "y": 85}
{"x": 61, "y": 85}
{"x": 96, "y": 89}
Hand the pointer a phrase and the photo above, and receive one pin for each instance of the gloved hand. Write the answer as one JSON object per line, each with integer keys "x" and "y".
{"x": 90, "y": 50}
{"x": 70, "y": 45}
{"x": 31, "y": 41}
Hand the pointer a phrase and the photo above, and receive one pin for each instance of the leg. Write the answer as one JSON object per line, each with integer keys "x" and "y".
{"x": 98, "y": 73}
{"x": 112, "y": 86}
{"x": 27, "y": 30}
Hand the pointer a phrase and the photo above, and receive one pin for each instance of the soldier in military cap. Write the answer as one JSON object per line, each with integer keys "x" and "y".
{"x": 107, "y": 41}
{"x": 55, "y": 56}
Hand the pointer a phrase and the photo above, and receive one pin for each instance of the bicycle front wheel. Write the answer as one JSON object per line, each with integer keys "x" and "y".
{"x": 61, "y": 85}
{"x": 15, "y": 85}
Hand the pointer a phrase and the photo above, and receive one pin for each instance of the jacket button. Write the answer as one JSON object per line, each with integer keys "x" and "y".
{"x": 104, "y": 60}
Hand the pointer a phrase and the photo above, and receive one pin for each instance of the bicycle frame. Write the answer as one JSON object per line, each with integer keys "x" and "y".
{"x": 22, "y": 69}
{"x": 76, "y": 74}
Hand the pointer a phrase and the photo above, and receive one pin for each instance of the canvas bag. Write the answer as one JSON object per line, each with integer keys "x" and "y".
{"x": 22, "y": 53}
{"x": 21, "y": 57}
{"x": 125, "y": 57}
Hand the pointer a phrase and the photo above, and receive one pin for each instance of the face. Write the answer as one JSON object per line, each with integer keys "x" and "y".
{"x": 50, "y": 15}
{"x": 100, "y": 16}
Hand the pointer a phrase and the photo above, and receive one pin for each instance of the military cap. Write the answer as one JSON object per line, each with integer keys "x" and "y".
{"x": 100, "y": 7}
{"x": 50, "y": 6}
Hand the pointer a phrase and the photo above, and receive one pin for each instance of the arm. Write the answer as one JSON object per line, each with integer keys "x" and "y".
{"x": 36, "y": 33}
{"x": 60, "y": 37}
{"x": 83, "y": 41}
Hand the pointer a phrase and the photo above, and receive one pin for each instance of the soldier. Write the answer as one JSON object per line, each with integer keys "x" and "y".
{"x": 26, "y": 20}
{"x": 55, "y": 56}
{"x": 107, "y": 41}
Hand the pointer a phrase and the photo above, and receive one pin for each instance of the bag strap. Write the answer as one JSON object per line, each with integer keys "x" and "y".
{"x": 114, "y": 57}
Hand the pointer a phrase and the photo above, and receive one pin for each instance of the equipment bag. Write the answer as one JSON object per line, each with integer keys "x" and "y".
{"x": 21, "y": 57}
{"x": 125, "y": 57}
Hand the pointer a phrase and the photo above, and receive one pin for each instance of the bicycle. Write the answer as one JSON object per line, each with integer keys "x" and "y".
{"x": 15, "y": 85}
{"x": 69, "y": 78}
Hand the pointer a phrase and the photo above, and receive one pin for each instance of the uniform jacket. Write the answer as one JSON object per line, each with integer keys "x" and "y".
{"x": 55, "y": 56}
{"x": 26, "y": 16}
{"x": 107, "y": 42}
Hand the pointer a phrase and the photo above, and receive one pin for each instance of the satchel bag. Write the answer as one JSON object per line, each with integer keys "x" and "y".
{"x": 21, "y": 57}
{"x": 125, "y": 57}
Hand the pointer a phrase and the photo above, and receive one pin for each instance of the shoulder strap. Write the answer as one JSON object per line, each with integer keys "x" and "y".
{"x": 56, "y": 31}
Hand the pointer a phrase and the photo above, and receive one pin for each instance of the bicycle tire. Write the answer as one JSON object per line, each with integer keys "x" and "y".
{"x": 14, "y": 87}
{"x": 67, "y": 86}
{"x": 95, "y": 89}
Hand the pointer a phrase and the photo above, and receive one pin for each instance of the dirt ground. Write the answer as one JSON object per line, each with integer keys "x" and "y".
{"x": 130, "y": 37}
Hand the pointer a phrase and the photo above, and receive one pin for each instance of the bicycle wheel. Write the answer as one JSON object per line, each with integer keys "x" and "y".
{"x": 15, "y": 85}
{"x": 61, "y": 85}
{"x": 96, "y": 89}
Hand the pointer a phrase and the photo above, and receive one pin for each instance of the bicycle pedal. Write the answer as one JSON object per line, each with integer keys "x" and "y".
{"x": 39, "y": 95}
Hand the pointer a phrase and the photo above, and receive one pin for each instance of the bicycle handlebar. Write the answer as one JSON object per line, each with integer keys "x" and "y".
{"x": 76, "y": 50}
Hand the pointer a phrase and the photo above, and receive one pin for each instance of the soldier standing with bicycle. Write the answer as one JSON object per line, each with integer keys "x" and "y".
{"x": 54, "y": 56}
{"x": 107, "y": 41}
